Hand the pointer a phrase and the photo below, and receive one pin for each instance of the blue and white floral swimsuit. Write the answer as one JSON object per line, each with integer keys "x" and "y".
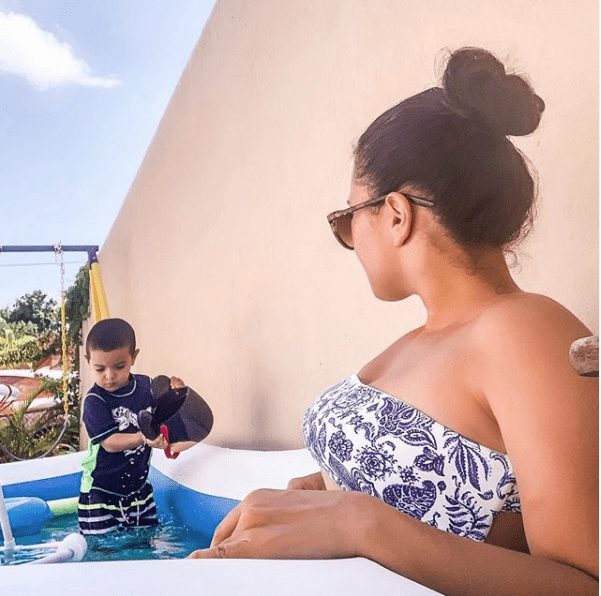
{"x": 370, "y": 441}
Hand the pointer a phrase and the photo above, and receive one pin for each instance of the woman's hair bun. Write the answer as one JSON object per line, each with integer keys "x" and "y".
{"x": 478, "y": 87}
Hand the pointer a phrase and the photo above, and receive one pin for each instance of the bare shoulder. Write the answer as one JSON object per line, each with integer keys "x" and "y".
{"x": 529, "y": 318}
{"x": 524, "y": 340}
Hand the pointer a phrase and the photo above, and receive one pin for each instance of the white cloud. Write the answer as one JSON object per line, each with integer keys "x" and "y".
{"x": 40, "y": 58}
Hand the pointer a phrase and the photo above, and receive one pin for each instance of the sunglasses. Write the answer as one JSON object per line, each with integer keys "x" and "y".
{"x": 340, "y": 221}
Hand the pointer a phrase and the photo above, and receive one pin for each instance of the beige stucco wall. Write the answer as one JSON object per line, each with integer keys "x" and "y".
{"x": 221, "y": 256}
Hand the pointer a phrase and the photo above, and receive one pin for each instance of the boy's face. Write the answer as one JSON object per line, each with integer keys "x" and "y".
{"x": 111, "y": 369}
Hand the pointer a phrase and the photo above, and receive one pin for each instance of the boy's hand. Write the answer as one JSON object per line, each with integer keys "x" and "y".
{"x": 158, "y": 443}
{"x": 176, "y": 383}
{"x": 123, "y": 442}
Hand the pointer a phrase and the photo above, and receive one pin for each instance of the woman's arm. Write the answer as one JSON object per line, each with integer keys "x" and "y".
{"x": 301, "y": 524}
{"x": 456, "y": 565}
{"x": 548, "y": 416}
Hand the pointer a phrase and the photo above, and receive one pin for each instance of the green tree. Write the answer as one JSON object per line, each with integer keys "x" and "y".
{"x": 27, "y": 435}
{"x": 36, "y": 308}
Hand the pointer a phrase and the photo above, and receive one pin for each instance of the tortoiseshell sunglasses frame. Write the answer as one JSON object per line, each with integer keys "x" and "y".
{"x": 332, "y": 217}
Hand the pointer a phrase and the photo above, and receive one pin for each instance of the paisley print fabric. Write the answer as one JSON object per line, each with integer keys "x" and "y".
{"x": 369, "y": 441}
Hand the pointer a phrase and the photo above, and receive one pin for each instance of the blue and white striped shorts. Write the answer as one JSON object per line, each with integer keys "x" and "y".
{"x": 100, "y": 512}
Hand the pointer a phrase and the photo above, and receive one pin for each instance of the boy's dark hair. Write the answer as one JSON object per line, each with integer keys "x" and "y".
{"x": 111, "y": 334}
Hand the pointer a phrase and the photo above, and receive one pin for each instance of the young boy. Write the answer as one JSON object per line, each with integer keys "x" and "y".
{"x": 115, "y": 491}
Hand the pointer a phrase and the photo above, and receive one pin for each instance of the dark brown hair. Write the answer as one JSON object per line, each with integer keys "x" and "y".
{"x": 111, "y": 334}
{"x": 451, "y": 142}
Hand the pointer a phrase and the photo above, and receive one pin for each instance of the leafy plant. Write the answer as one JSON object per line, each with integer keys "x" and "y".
{"x": 26, "y": 435}
{"x": 28, "y": 332}
{"x": 77, "y": 307}
{"x": 18, "y": 345}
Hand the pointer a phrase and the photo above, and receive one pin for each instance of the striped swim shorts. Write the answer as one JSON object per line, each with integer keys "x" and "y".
{"x": 100, "y": 512}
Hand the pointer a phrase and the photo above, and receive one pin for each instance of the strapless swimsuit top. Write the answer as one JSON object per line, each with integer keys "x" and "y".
{"x": 367, "y": 440}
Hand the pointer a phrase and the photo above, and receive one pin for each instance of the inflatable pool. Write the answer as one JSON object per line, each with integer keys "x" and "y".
{"x": 197, "y": 489}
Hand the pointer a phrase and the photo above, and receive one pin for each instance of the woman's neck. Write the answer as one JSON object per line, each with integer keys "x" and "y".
{"x": 455, "y": 290}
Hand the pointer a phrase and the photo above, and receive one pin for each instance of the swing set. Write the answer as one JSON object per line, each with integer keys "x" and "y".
{"x": 99, "y": 311}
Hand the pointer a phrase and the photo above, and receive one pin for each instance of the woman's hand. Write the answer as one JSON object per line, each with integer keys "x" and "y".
{"x": 310, "y": 482}
{"x": 292, "y": 524}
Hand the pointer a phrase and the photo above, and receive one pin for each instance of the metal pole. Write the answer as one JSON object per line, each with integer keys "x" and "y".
{"x": 91, "y": 249}
{"x": 9, "y": 541}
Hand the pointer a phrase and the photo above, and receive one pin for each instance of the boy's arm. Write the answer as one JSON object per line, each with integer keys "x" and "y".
{"x": 125, "y": 441}
{"x": 98, "y": 419}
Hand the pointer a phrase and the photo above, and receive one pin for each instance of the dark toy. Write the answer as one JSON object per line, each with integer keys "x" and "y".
{"x": 180, "y": 415}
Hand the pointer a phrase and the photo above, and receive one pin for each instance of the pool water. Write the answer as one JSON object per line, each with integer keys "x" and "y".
{"x": 168, "y": 540}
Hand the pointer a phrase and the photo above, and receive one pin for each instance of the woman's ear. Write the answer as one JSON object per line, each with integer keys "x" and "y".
{"x": 401, "y": 217}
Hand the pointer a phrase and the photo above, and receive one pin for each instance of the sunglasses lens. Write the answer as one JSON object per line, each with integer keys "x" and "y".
{"x": 342, "y": 229}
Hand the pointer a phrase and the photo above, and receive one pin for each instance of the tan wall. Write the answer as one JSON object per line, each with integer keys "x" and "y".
{"x": 221, "y": 256}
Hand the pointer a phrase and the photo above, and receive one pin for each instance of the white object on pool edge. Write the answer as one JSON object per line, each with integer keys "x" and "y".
{"x": 72, "y": 548}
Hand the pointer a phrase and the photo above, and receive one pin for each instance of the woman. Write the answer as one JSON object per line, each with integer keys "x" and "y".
{"x": 467, "y": 450}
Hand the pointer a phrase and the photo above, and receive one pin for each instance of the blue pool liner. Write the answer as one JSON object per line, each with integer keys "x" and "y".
{"x": 195, "y": 510}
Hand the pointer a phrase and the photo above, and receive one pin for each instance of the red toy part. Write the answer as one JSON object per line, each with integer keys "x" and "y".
{"x": 168, "y": 452}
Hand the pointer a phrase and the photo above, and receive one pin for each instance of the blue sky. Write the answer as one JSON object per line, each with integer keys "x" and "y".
{"x": 83, "y": 86}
